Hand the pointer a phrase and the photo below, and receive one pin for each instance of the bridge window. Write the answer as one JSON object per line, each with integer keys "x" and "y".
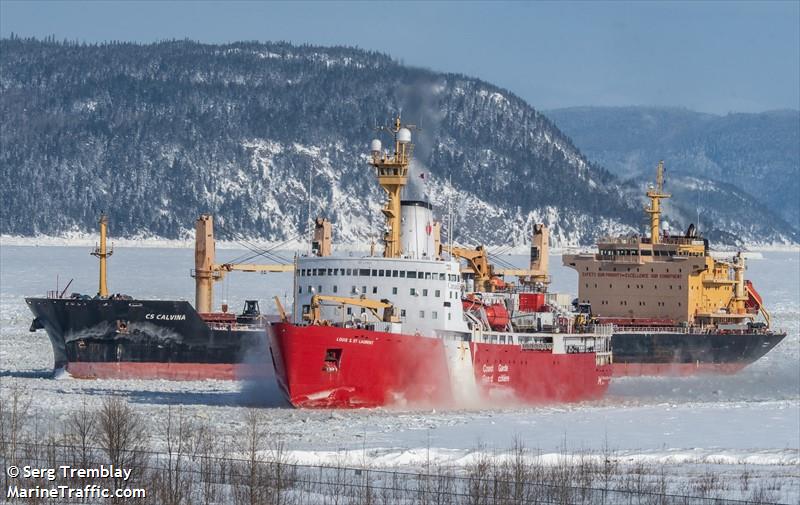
{"x": 411, "y": 274}
{"x": 380, "y": 273}
{"x": 394, "y": 291}
{"x": 402, "y": 274}
{"x": 427, "y": 276}
{"x": 421, "y": 275}
{"x": 320, "y": 272}
{"x": 441, "y": 277}
{"x": 394, "y": 273}
{"x": 364, "y": 272}
{"x": 374, "y": 272}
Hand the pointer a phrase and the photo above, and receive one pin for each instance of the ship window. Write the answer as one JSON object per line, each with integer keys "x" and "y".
{"x": 374, "y": 290}
{"x": 309, "y": 289}
{"x": 670, "y": 286}
{"x": 679, "y": 304}
{"x": 335, "y": 289}
{"x": 420, "y": 275}
{"x": 424, "y": 292}
{"x": 615, "y": 269}
{"x": 587, "y": 284}
{"x": 330, "y": 271}
{"x": 680, "y": 270}
{"x": 363, "y": 310}
{"x": 629, "y": 286}
{"x": 363, "y": 272}
{"x": 394, "y": 273}
{"x": 427, "y": 275}
{"x": 402, "y": 274}
{"x": 422, "y": 314}
{"x": 412, "y": 292}
{"x": 609, "y": 286}
{"x": 595, "y": 285}
{"x": 446, "y": 304}
{"x": 412, "y": 274}
{"x": 449, "y": 316}
{"x": 402, "y": 312}
{"x": 394, "y": 291}
{"x": 668, "y": 270}
{"x": 300, "y": 289}
{"x": 349, "y": 311}
{"x": 349, "y": 272}
{"x": 441, "y": 277}
{"x": 354, "y": 290}
{"x": 374, "y": 272}
{"x": 380, "y": 273}
{"x": 437, "y": 293}
{"x": 434, "y": 315}
{"x": 321, "y": 272}
{"x": 363, "y": 289}
{"x": 319, "y": 289}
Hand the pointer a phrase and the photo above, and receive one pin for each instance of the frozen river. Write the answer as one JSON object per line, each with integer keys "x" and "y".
{"x": 751, "y": 418}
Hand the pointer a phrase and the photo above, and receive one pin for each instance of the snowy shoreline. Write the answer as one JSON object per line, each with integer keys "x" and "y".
{"x": 163, "y": 243}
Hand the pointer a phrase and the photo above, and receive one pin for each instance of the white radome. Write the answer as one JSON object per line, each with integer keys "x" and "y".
{"x": 404, "y": 136}
{"x": 375, "y": 146}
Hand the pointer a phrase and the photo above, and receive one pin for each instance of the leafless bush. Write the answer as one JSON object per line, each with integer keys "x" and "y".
{"x": 123, "y": 437}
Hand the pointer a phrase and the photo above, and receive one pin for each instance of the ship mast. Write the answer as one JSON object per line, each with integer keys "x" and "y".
{"x": 392, "y": 172}
{"x": 655, "y": 194}
{"x": 102, "y": 253}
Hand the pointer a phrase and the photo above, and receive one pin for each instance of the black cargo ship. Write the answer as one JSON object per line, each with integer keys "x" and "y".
{"x": 124, "y": 338}
{"x": 117, "y": 336}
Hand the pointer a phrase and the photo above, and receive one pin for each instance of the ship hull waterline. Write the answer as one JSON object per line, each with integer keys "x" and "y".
{"x": 685, "y": 354}
{"x": 146, "y": 339}
{"x": 333, "y": 367}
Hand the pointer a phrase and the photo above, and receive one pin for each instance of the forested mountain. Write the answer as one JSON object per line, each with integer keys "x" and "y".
{"x": 756, "y": 154}
{"x": 156, "y": 134}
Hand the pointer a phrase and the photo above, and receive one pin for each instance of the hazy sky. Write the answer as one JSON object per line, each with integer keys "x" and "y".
{"x": 708, "y": 56}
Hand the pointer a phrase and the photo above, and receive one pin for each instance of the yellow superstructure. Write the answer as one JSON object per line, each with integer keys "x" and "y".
{"x": 664, "y": 277}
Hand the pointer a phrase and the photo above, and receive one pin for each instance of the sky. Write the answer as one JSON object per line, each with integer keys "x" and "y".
{"x": 712, "y": 56}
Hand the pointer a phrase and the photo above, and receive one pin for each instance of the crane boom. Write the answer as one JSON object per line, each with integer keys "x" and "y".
{"x": 373, "y": 306}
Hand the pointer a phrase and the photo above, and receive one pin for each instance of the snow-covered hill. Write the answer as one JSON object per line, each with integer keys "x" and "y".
{"x": 156, "y": 134}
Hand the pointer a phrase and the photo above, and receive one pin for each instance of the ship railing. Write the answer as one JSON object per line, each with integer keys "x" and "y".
{"x": 693, "y": 330}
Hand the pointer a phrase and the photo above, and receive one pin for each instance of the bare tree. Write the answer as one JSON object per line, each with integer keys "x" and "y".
{"x": 122, "y": 435}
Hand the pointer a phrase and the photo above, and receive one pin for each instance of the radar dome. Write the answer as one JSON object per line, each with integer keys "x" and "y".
{"x": 404, "y": 136}
{"x": 375, "y": 146}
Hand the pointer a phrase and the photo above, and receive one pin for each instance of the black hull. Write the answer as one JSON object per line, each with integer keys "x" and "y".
{"x": 111, "y": 331}
{"x": 659, "y": 353}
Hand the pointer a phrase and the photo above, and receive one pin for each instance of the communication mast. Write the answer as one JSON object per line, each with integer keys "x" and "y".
{"x": 392, "y": 172}
{"x": 655, "y": 194}
{"x": 102, "y": 253}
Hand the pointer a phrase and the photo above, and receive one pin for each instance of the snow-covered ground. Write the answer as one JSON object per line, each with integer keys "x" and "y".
{"x": 688, "y": 424}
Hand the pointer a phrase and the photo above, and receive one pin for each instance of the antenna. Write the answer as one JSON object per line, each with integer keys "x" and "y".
{"x": 309, "y": 223}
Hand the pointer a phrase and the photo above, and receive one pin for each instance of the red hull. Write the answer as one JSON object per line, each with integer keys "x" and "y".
{"x": 168, "y": 371}
{"x": 675, "y": 369}
{"x": 327, "y": 367}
